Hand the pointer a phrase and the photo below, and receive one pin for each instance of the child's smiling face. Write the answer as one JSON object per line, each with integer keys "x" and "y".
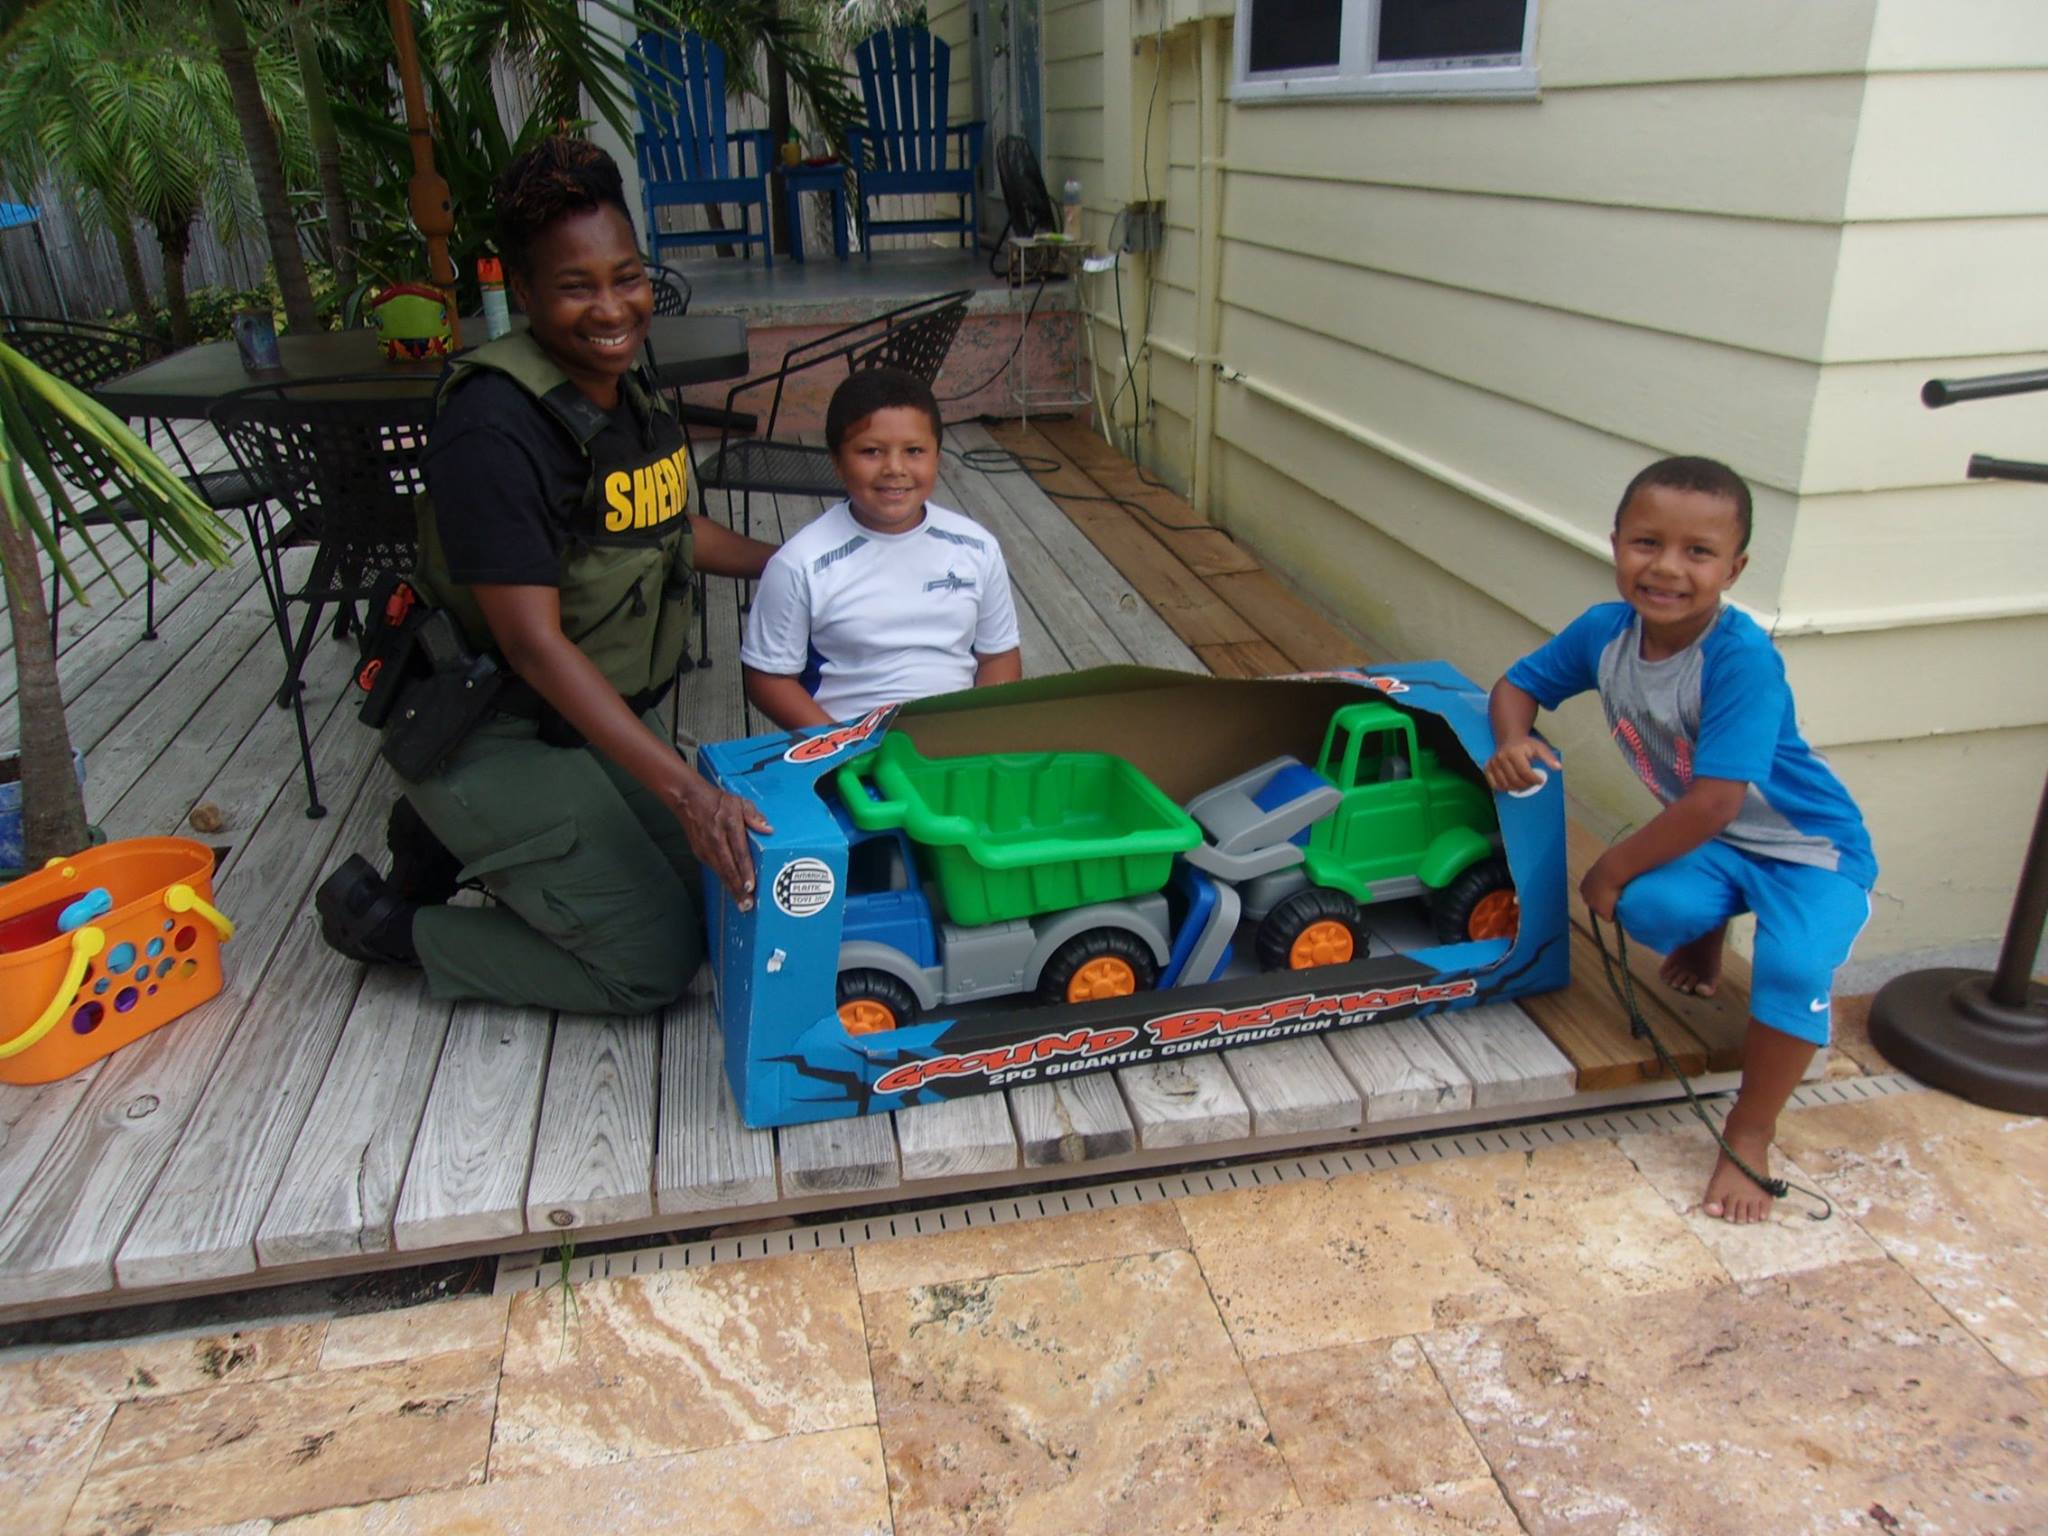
{"x": 1675, "y": 553}
{"x": 889, "y": 462}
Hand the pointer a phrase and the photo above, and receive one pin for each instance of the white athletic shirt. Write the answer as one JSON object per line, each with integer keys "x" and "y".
{"x": 864, "y": 618}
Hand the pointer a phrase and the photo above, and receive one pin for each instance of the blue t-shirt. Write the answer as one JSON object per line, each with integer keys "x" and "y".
{"x": 1719, "y": 709}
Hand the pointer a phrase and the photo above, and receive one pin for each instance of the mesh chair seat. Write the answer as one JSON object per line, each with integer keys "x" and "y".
{"x": 792, "y": 469}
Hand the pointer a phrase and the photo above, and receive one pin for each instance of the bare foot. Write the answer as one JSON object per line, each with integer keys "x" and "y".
{"x": 1695, "y": 968}
{"x": 1731, "y": 1194}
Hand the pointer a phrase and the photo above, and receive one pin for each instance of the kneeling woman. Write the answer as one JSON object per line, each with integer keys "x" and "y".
{"x": 560, "y": 537}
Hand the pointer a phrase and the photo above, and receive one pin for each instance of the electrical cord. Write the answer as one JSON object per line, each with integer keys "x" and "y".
{"x": 1015, "y": 348}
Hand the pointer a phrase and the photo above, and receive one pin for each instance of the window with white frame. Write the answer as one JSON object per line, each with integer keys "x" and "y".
{"x": 1299, "y": 48}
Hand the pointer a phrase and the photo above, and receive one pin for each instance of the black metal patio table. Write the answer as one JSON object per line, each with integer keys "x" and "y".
{"x": 688, "y": 349}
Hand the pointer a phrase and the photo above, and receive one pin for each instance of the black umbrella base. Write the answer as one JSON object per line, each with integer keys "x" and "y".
{"x": 1942, "y": 1026}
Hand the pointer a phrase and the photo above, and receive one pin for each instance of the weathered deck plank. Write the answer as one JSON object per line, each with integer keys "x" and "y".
{"x": 1072, "y": 1120}
{"x": 705, "y": 1157}
{"x": 466, "y": 1180}
{"x": 1292, "y": 1086}
{"x": 956, "y": 1136}
{"x": 593, "y": 1156}
{"x": 1184, "y": 1102}
{"x": 830, "y": 1157}
{"x": 1509, "y": 1060}
{"x": 196, "y": 1225}
{"x": 339, "y": 1191}
{"x": 1401, "y": 1070}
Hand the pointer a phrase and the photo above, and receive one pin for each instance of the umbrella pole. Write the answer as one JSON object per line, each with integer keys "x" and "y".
{"x": 427, "y": 192}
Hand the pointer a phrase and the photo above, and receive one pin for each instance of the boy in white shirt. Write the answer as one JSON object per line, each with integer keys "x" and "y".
{"x": 886, "y": 597}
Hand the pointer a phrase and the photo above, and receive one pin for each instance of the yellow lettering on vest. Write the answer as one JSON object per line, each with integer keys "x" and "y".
{"x": 618, "y": 495}
{"x": 664, "y": 490}
{"x": 643, "y": 498}
{"x": 681, "y": 460}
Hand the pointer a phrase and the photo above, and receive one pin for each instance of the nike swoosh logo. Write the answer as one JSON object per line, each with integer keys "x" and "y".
{"x": 1819, "y": 1007}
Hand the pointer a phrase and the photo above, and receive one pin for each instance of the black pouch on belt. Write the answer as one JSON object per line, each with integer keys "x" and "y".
{"x": 425, "y": 688}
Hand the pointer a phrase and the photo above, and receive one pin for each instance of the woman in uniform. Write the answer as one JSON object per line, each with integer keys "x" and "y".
{"x": 561, "y": 535}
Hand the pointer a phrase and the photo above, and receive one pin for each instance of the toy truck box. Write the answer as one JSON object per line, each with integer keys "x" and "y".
{"x": 1120, "y": 866}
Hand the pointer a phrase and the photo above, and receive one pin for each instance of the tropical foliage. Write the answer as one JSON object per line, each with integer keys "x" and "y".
{"x": 55, "y": 438}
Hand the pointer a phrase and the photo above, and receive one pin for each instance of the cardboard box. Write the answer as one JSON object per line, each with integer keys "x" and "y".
{"x": 791, "y": 1059}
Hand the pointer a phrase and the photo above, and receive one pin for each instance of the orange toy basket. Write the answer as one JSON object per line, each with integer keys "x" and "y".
{"x": 99, "y": 949}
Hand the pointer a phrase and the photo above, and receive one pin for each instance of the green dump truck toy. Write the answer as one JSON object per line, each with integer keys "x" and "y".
{"x": 1071, "y": 876}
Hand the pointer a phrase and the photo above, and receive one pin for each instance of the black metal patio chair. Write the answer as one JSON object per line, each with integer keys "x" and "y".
{"x": 85, "y": 357}
{"x": 349, "y": 451}
{"x": 915, "y": 338}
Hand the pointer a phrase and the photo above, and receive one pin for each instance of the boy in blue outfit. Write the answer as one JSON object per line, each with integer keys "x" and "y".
{"x": 1754, "y": 820}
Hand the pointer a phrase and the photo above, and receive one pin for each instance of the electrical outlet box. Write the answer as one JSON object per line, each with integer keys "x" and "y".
{"x": 1143, "y": 225}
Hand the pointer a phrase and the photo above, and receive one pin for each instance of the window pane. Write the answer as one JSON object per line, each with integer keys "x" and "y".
{"x": 1448, "y": 29}
{"x": 1294, "y": 34}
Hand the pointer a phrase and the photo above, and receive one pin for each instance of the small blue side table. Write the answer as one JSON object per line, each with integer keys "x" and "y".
{"x": 799, "y": 179}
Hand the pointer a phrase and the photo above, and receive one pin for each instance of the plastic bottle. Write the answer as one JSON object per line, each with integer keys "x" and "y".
{"x": 1070, "y": 209}
{"x": 490, "y": 275}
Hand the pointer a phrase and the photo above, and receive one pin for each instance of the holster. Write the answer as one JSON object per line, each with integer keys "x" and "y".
{"x": 425, "y": 688}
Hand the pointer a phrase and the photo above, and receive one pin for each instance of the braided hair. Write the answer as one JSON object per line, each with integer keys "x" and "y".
{"x": 558, "y": 177}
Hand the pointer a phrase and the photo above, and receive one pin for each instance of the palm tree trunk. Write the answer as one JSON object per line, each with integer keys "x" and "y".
{"x": 52, "y": 806}
{"x": 175, "y": 240}
{"x": 341, "y": 244}
{"x": 265, "y": 163}
{"x": 131, "y": 267}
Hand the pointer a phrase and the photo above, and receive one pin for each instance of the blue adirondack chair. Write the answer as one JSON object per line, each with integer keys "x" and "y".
{"x": 901, "y": 150}
{"x": 687, "y": 158}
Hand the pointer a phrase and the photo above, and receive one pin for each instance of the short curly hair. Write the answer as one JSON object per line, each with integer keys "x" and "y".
{"x": 1692, "y": 472}
{"x": 559, "y": 176}
{"x": 877, "y": 389}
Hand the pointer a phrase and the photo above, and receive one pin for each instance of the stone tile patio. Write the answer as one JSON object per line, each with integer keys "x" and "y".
{"x": 1504, "y": 1343}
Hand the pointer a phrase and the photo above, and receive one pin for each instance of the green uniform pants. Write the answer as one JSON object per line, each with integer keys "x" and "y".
{"x": 597, "y": 890}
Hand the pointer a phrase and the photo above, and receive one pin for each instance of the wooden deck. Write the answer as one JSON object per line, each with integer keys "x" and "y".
{"x": 319, "y": 1117}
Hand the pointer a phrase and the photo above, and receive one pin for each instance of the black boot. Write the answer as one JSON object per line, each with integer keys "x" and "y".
{"x": 362, "y": 917}
{"x": 423, "y": 871}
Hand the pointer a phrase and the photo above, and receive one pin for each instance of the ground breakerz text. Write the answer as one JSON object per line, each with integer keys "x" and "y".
{"x": 1172, "y": 1034}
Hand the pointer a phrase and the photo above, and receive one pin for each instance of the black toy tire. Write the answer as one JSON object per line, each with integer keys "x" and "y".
{"x": 1092, "y": 948}
{"x": 1450, "y": 911}
{"x": 1301, "y": 911}
{"x": 877, "y": 989}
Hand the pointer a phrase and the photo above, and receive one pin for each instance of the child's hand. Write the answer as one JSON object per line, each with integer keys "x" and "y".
{"x": 1513, "y": 765}
{"x": 1601, "y": 889}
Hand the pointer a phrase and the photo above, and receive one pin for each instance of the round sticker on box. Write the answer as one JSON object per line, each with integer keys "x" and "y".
{"x": 803, "y": 887}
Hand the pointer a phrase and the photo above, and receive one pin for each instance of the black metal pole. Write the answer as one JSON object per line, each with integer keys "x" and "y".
{"x": 1982, "y": 1037}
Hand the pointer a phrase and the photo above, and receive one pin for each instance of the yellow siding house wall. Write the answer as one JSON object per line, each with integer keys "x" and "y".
{"x": 1428, "y": 340}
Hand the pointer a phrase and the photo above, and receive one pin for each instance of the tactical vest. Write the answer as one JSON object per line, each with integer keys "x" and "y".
{"x": 627, "y": 579}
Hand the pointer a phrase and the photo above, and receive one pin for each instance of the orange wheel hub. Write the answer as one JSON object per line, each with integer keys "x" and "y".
{"x": 1323, "y": 943}
{"x": 1496, "y": 915}
{"x": 865, "y": 1016}
{"x": 1106, "y": 977}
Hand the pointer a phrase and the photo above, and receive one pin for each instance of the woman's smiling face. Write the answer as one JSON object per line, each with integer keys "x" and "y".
{"x": 587, "y": 298}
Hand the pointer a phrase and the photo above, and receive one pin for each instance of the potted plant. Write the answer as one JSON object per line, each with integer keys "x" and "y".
{"x": 45, "y": 424}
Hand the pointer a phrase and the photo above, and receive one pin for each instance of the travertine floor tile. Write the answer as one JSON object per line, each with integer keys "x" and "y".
{"x": 413, "y": 1333}
{"x": 1475, "y": 1508}
{"x": 1363, "y": 1420}
{"x": 2039, "y": 1387}
{"x": 827, "y": 1483}
{"x": 157, "y": 1367}
{"x": 1677, "y": 1164}
{"x": 43, "y": 1458}
{"x": 1098, "y": 1397}
{"x": 681, "y": 1361}
{"x": 283, "y": 1447}
{"x": 1792, "y": 1406}
{"x": 1373, "y": 1256}
{"x": 979, "y": 1252}
{"x": 1954, "y": 1193}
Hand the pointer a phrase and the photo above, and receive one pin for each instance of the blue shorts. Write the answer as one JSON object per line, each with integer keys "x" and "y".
{"x": 1806, "y": 921}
